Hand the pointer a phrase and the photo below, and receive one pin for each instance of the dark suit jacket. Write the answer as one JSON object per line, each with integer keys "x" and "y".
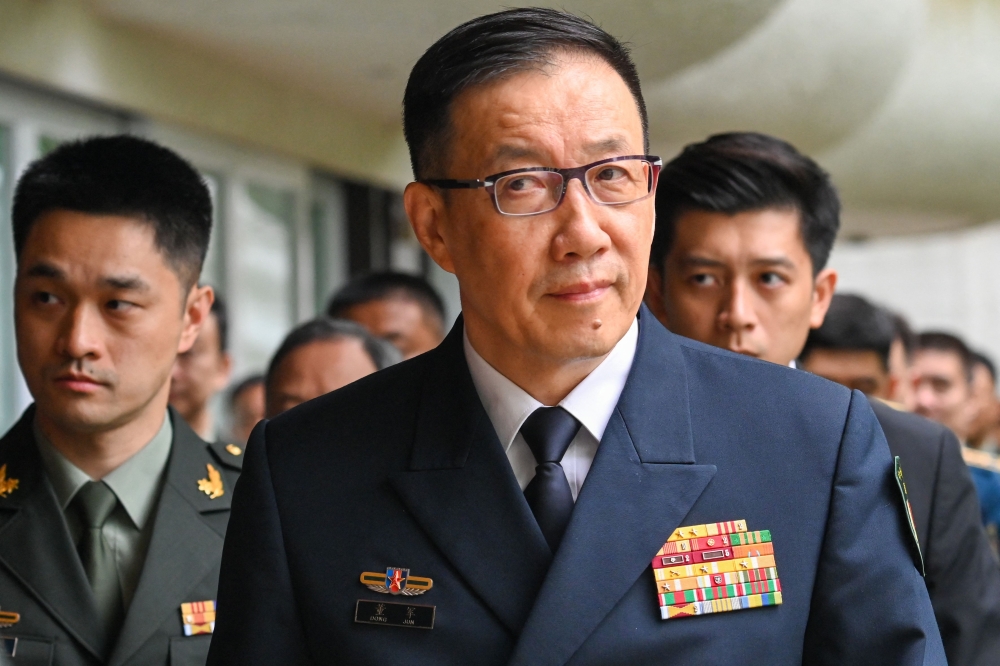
{"x": 404, "y": 469}
{"x": 41, "y": 576}
{"x": 963, "y": 578}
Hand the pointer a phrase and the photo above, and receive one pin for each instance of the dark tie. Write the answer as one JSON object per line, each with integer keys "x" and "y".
{"x": 548, "y": 433}
{"x": 95, "y": 502}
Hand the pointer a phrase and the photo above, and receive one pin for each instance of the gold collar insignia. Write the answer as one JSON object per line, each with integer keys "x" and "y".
{"x": 212, "y": 486}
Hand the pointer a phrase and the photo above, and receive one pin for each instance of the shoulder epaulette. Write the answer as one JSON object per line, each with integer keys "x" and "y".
{"x": 230, "y": 455}
{"x": 981, "y": 459}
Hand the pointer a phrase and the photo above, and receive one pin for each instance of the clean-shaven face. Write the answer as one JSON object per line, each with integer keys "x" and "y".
{"x": 742, "y": 282}
{"x": 100, "y": 317}
{"x": 564, "y": 285}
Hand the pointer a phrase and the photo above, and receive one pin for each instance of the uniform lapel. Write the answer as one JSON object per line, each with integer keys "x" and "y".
{"x": 642, "y": 484}
{"x": 183, "y": 548}
{"x": 35, "y": 545}
{"x": 461, "y": 490}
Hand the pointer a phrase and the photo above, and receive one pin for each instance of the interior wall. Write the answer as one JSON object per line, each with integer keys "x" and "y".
{"x": 944, "y": 281}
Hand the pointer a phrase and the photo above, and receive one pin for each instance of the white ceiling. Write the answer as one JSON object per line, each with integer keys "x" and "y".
{"x": 899, "y": 99}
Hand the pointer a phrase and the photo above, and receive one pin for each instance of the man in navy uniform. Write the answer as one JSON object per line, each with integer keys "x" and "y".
{"x": 500, "y": 499}
{"x": 112, "y": 510}
{"x": 745, "y": 224}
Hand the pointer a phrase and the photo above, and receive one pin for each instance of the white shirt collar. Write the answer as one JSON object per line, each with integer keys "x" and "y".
{"x": 592, "y": 402}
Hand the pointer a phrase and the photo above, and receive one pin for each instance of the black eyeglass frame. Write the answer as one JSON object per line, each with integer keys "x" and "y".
{"x": 579, "y": 173}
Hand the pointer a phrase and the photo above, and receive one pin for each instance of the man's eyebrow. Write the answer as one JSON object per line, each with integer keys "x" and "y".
{"x": 615, "y": 144}
{"x": 125, "y": 282}
{"x": 774, "y": 261}
{"x": 701, "y": 262}
{"x": 510, "y": 152}
{"x": 45, "y": 270}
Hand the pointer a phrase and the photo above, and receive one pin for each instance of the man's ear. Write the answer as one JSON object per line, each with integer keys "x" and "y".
{"x": 823, "y": 287}
{"x": 426, "y": 211}
{"x": 655, "y": 293}
{"x": 196, "y": 308}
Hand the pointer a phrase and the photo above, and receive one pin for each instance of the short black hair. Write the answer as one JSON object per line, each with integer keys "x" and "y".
{"x": 383, "y": 286}
{"x": 946, "y": 342}
{"x": 122, "y": 175}
{"x": 487, "y": 49}
{"x": 979, "y": 358}
{"x": 381, "y": 352}
{"x": 739, "y": 172}
{"x": 853, "y": 323}
{"x": 221, "y": 313}
{"x": 905, "y": 335}
{"x": 244, "y": 384}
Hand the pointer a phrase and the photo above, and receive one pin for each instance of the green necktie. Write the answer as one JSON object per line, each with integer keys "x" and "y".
{"x": 95, "y": 502}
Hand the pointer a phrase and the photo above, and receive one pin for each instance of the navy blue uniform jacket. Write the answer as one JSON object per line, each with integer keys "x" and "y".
{"x": 404, "y": 469}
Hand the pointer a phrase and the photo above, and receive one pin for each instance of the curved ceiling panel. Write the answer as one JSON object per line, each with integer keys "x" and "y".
{"x": 935, "y": 146}
{"x": 359, "y": 54}
{"x": 811, "y": 73}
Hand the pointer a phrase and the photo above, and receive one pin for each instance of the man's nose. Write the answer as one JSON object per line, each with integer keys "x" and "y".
{"x": 82, "y": 332}
{"x": 738, "y": 312}
{"x": 580, "y": 231}
{"x": 924, "y": 397}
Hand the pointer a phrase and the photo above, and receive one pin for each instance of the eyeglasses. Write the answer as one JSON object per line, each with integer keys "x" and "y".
{"x": 535, "y": 190}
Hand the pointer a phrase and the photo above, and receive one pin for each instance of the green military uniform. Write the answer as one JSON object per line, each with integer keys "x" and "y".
{"x": 167, "y": 534}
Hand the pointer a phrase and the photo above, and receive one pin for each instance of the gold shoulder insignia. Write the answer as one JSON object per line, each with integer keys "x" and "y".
{"x": 234, "y": 450}
{"x": 7, "y": 486}
{"x": 212, "y": 486}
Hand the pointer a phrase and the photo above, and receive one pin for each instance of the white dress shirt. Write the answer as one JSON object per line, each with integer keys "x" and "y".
{"x": 592, "y": 402}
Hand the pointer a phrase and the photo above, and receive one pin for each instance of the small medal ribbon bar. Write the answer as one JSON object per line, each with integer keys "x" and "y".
{"x": 715, "y": 568}
{"x": 392, "y": 614}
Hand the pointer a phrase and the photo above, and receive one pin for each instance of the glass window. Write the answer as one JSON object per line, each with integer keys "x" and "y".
{"x": 9, "y": 371}
{"x": 262, "y": 247}
{"x": 213, "y": 271}
{"x": 329, "y": 229}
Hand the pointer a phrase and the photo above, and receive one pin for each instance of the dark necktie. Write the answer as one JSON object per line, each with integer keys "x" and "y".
{"x": 95, "y": 502}
{"x": 548, "y": 433}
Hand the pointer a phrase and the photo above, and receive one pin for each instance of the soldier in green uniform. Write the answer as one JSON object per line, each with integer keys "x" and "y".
{"x": 112, "y": 510}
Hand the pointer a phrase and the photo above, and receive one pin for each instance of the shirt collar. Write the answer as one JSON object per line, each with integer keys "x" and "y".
{"x": 135, "y": 482}
{"x": 592, "y": 401}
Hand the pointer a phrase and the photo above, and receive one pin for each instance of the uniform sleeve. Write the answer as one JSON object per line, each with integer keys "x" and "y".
{"x": 869, "y": 604}
{"x": 258, "y": 620}
{"x": 966, "y": 577}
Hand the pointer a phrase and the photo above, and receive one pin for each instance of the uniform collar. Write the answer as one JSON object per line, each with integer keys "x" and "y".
{"x": 135, "y": 482}
{"x": 592, "y": 401}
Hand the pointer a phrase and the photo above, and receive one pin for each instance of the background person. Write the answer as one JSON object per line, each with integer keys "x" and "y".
{"x": 984, "y": 418}
{"x": 320, "y": 356}
{"x": 942, "y": 379}
{"x": 852, "y": 346}
{"x": 246, "y": 406}
{"x": 901, "y": 363}
{"x": 744, "y": 228}
{"x": 113, "y": 511}
{"x": 202, "y": 372}
{"x": 532, "y": 464}
{"x": 403, "y": 309}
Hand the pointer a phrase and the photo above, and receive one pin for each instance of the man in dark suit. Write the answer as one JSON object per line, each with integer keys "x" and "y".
{"x": 501, "y": 498}
{"x": 112, "y": 511}
{"x": 745, "y": 225}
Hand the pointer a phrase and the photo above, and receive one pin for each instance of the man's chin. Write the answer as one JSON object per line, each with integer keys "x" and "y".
{"x": 84, "y": 416}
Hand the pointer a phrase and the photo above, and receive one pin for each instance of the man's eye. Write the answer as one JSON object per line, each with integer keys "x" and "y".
{"x": 120, "y": 306}
{"x": 772, "y": 279}
{"x": 45, "y": 298}
{"x": 703, "y": 279}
